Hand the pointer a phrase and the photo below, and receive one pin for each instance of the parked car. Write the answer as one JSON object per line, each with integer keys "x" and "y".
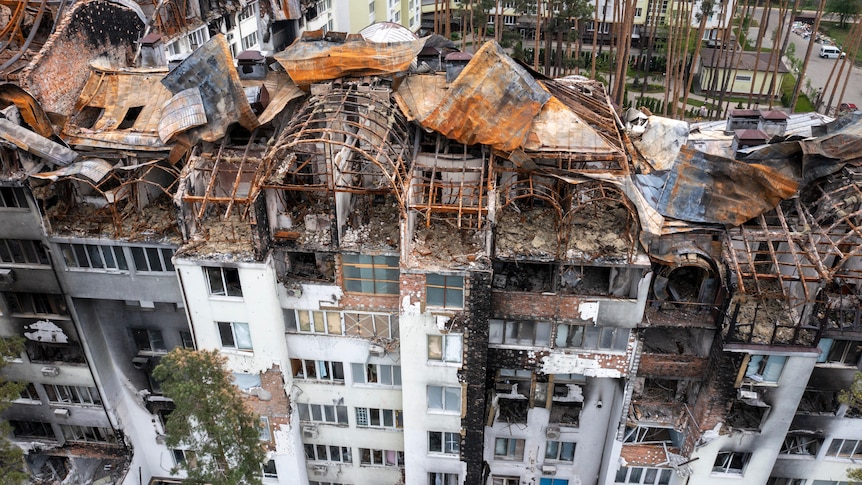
{"x": 847, "y": 108}
{"x": 831, "y": 52}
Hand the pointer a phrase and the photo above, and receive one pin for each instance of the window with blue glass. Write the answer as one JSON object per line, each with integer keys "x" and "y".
{"x": 370, "y": 274}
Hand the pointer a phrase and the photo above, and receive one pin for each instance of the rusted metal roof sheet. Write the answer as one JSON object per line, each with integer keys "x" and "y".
{"x": 210, "y": 69}
{"x": 493, "y": 101}
{"x": 557, "y": 128}
{"x": 417, "y": 96}
{"x": 282, "y": 90}
{"x": 185, "y": 110}
{"x": 36, "y": 144}
{"x": 312, "y": 58}
{"x": 29, "y": 108}
{"x": 711, "y": 189}
{"x": 131, "y": 101}
{"x": 291, "y": 9}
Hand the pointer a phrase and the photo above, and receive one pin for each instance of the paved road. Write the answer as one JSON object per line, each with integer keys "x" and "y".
{"x": 818, "y": 69}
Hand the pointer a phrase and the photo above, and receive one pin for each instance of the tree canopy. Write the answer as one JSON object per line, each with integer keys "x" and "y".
{"x": 845, "y": 9}
{"x": 210, "y": 419}
{"x": 12, "y": 471}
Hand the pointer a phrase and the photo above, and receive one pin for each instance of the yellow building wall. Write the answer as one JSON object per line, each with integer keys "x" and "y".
{"x": 741, "y": 82}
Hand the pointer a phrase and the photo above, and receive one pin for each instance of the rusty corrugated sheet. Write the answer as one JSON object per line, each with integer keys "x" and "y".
{"x": 185, "y": 110}
{"x": 711, "y": 189}
{"x": 312, "y": 59}
{"x": 210, "y": 69}
{"x": 417, "y": 96}
{"x": 116, "y": 92}
{"x": 282, "y": 90}
{"x": 291, "y": 9}
{"x": 493, "y": 102}
{"x": 29, "y": 108}
{"x": 36, "y": 144}
{"x": 557, "y": 128}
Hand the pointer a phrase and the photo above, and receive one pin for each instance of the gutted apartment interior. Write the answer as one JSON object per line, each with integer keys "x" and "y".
{"x": 470, "y": 274}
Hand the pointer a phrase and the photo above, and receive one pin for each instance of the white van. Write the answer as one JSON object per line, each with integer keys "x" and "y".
{"x": 831, "y": 52}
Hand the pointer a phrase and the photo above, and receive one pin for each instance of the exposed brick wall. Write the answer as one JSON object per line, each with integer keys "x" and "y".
{"x": 532, "y": 359}
{"x": 645, "y": 455}
{"x": 95, "y": 28}
{"x": 278, "y": 408}
{"x": 536, "y": 305}
{"x": 672, "y": 366}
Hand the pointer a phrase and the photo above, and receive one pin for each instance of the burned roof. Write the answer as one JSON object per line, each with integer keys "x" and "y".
{"x": 748, "y": 61}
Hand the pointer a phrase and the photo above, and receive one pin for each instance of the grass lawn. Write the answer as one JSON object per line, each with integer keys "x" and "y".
{"x": 803, "y": 104}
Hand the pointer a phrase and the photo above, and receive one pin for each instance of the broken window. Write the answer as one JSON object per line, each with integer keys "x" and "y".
{"x": 223, "y": 281}
{"x": 746, "y": 416}
{"x": 514, "y": 381}
{"x": 845, "y": 449}
{"x": 46, "y": 352}
{"x": 234, "y": 335}
{"x": 22, "y": 251}
{"x": 818, "y": 401}
{"x": 559, "y": 451}
{"x": 183, "y": 456}
{"x": 72, "y": 394}
{"x": 659, "y": 390}
{"x": 28, "y": 392}
{"x": 130, "y": 117}
{"x": 444, "y": 291}
{"x": 187, "y": 340}
{"x": 340, "y": 454}
{"x": 263, "y": 428}
{"x": 94, "y": 256}
{"x": 379, "y": 418}
{"x": 845, "y": 352}
{"x": 320, "y": 370}
{"x": 385, "y": 375}
{"x": 370, "y": 274}
{"x": 310, "y": 266}
{"x": 519, "y": 332}
{"x": 765, "y": 368}
{"x": 444, "y": 442}
{"x": 566, "y": 413}
{"x": 586, "y": 280}
{"x": 314, "y": 321}
{"x": 797, "y": 481}
{"x": 322, "y": 413}
{"x": 31, "y": 429}
{"x": 12, "y": 197}
{"x": 650, "y": 434}
{"x": 800, "y": 445}
{"x": 644, "y": 475}
{"x": 157, "y": 260}
{"x": 148, "y": 340}
{"x": 444, "y": 398}
{"x": 269, "y": 470}
{"x": 88, "y": 434}
{"x": 440, "y": 478}
{"x": 537, "y": 278}
{"x": 509, "y": 449}
{"x": 591, "y": 337}
{"x": 368, "y": 456}
{"x": 371, "y": 325}
{"x": 32, "y": 304}
{"x": 445, "y": 348}
{"x": 731, "y": 462}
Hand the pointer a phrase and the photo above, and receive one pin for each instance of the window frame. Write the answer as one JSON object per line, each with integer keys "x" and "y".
{"x": 514, "y": 448}
{"x": 222, "y": 273}
{"x": 515, "y": 330}
{"x": 446, "y": 290}
{"x": 381, "y": 416}
{"x": 234, "y": 345}
{"x": 331, "y": 367}
{"x": 362, "y": 374}
{"x": 269, "y": 470}
{"x": 445, "y": 403}
{"x": 800, "y": 445}
{"x": 450, "y": 443}
{"x": 328, "y": 453}
{"x": 724, "y": 462}
{"x": 444, "y": 478}
{"x": 354, "y": 272}
{"x": 319, "y": 413}
{"x": 374, "y": 455}
{"x": 835, "y": 451}
{"x": 23, "y": 252}
{"x": 15, "y": 195}
{"x": 153, "y": 336}
{"x": 557, "y": 451}
{"x": 108, "y": 258}
{"x": 23, "y": 303}
{"x": 445, "y": 354}
{"x": 640, "y": 475}
{"x": 146, "y": 256}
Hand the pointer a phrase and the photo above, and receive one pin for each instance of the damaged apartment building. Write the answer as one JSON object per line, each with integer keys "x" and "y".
{"x": 424, "y": 267}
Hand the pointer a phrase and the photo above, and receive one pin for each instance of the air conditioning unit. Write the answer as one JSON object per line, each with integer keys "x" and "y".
{"x": 318, "y": 470}
{"x": 743, "y": 394}
{"x": 552, "y": 433}
{"x": 376, "y": 350}
{"x": 7, "y": 277}
{"x": 549, "y": 470}
{"x": 309, "y": 431}
{"x": 141, "y": 362}
{"x": 61, "y": 413}
{"x": 50, "y": 371}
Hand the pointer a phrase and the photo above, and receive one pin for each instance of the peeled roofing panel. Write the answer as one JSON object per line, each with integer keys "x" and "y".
{"x": 312, "y": 59}
{"x": 183, "y": 111}
{"x": 493, "y": 102}
{"x": 210, "y": 68}
{"x": 557, "y": 128}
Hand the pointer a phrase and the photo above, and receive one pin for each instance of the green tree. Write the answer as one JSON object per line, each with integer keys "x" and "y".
{"x": 855, "y": 475}
{"x": 845, "y": 9}
{"x": 12, "y": 471}
{"x": 210, "y": 419}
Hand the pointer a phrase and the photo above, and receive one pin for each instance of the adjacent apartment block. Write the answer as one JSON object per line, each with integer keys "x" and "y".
{"x": 458, "y": 273}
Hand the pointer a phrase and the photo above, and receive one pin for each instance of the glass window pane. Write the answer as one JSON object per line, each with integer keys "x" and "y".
{"x": 333, "y": 323}
{"x": 108, "y": 253}
{"x": 454, "y": 298}
{"x": 316, "y": 412}
{"x": 153, "y": 257}
{"x": 243, "y": 336}
{"x": 435, "y": 397}
{"x": 337, "y": 371}
{"x": 635, "y": 475}
{"x": 650, "y": 475}
{"x": 388, "y": 418}
{"x": 453, "y": 399}
{"x": 453, "y": 348}
{"x": 214, "y": 277}
{"x": 341, "y": 414}
{"x": 318, "y": 322}
{"x": 435, "y": 441}
{"x": 329, "y": 413}
{"x": 567, "y": 452}
{"x": 435, "y": 347}
{"x": 543, "y": 333}
{"x": 224, "y": 329}
{"x": 358, "y": 371}
{"x": 304, "y": 321}
{"x": 231, "y": 278}
{"x": 495, "y": 332}
{"x": 95, "y": 256}
{"x": 552, "y": 450}
{"x": 167, "y": 254}
{"x": 141, "y": 261}
{"x": 304, "y": 415}
{"x": 81, "y": 255}
{"x": 396, "y": 375}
